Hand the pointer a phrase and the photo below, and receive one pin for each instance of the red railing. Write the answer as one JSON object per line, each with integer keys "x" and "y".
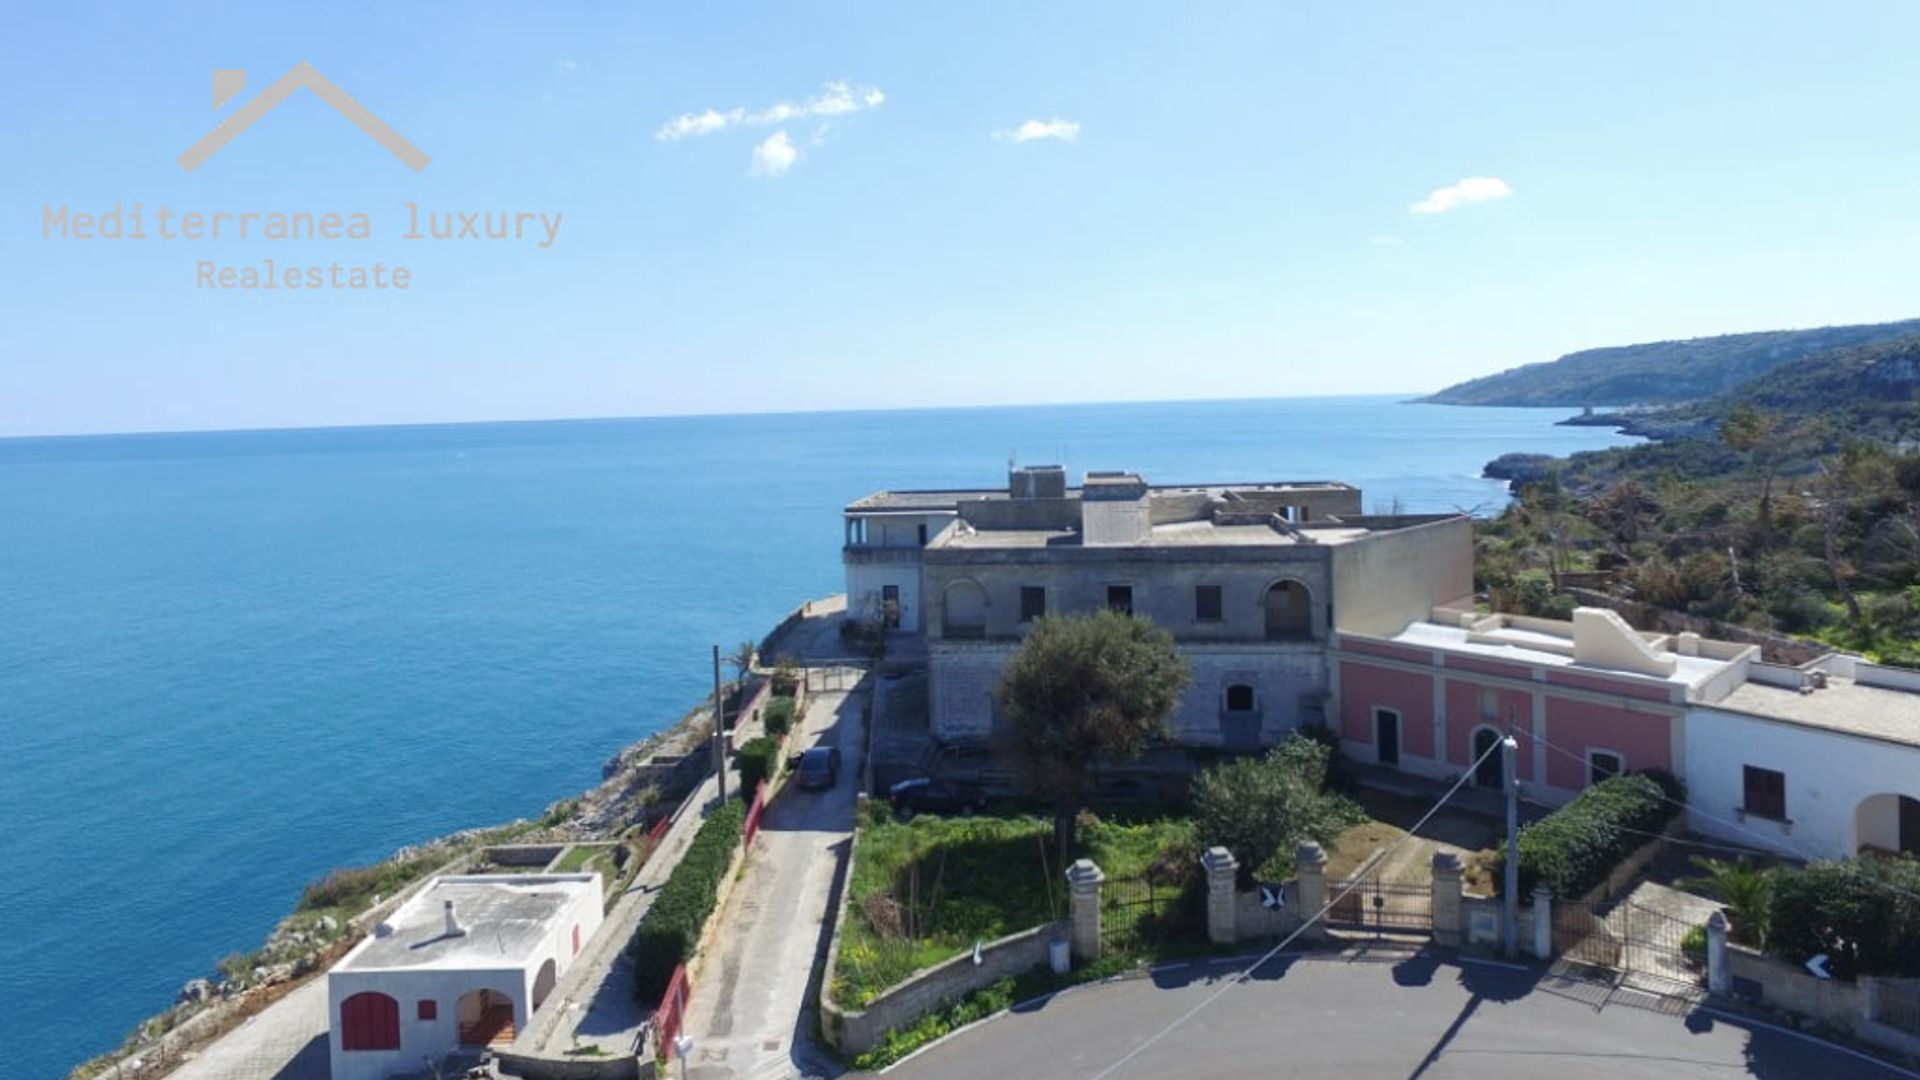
{"x": 672, "y": 1010}
{"x": 753, "y": 813}
{"x": 659, "y": 829}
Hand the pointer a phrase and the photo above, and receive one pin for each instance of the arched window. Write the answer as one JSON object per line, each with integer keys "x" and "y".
{"x": 964, "y": 611}
{"x": 1289, "y": 609}
{"x": 543, "y": 982}
{"x": 370, "y": 1021}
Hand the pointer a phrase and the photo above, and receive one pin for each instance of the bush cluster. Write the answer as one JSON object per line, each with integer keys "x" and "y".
{"x": 757, "y": 758}
{"x": 1859, "y": 911}
{"x": 671, "y": 928}
{"x": 1574, "y": 848}
{"x": 778, "y": 716}
{"x": 1259, "y": 808}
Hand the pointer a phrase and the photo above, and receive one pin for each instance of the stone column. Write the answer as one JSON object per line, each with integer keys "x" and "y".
{"x": 1542, "y": 922}
{"x": 1083, "y": 895}
{"x": 1222, "y": 871}
{"x": 1310, "y": 869}
{"x": 1719, "y": 979}
{"x": 1446, "y": 899}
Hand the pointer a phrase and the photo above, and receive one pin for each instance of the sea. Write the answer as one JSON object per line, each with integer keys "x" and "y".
{"x": 230, "y": 661}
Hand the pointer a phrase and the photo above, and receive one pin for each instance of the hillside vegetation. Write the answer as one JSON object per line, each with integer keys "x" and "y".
{"x": 1660, "y": 372}
{"x": 1790, "y": 503}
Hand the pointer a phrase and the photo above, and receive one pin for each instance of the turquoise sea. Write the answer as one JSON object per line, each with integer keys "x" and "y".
{"x": 230, "y": 661}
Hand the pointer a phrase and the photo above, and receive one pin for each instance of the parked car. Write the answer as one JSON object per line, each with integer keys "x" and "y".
{"x": 928, "y": 795}
{"x": 819, "y": 768}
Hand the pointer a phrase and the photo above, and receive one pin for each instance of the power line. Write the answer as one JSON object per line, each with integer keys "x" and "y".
{"x": 1353, "y": 883}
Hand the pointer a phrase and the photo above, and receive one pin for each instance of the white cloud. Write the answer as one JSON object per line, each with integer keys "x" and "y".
{"x": 1383, "y": 241}
{"x": 1064, "y": 130}
{"x": 775, "y": 155}
{"x": 1472, "y": 189}
{"x": 837, "y": 98}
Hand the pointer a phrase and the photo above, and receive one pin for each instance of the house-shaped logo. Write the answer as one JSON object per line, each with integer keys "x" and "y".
{"x": 230, "y": 81}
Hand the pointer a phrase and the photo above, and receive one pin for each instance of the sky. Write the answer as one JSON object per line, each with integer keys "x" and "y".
{"x": 836, "y": 206}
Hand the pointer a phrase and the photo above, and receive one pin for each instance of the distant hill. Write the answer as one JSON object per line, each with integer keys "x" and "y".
{"x": 1860, "y": 390}
{"x": 1661, "y": 372}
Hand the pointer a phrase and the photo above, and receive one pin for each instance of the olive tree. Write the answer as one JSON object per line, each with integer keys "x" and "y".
{"x": 1082, "y": 690}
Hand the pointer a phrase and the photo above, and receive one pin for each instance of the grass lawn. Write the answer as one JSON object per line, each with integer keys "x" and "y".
{"x": 927, "y": 890}
{"x": 576, "y": 857}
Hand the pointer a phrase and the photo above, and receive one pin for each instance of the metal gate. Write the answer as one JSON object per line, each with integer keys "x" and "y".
{"x": 1627, "y": 940}
{"x": 1369, "y": 904}
{"x": 1137, "y": 913}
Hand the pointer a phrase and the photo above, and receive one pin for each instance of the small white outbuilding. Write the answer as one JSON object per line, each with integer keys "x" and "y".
{"x": 459, "y": 967}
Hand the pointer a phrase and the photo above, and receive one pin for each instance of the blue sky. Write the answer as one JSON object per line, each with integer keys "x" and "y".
{"x": 1232, "y": 216}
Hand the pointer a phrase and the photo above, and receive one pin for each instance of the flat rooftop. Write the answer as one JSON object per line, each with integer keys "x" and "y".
{"x": 1875, "y": 712}
{"x": 1177, "y": 534}
{"x": 1521, "y": 645}
{"x": 933, "y": 500}
{"x": 505, "y": 916}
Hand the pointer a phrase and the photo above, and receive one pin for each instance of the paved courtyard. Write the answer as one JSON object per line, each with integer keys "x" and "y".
{"x": 1409, "y": 1015}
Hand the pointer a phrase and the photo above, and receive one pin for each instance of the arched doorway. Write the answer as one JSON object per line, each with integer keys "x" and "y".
{"x": 963, "y": 611}
{"x": 1887, "y": 823}
{"x": 486, "y": 1018}
{"x": 1492, "y": 770}
{"x": 370, "y": 1020}
{"x": 543, "y": 982}
{"x": 1289, "y": 611}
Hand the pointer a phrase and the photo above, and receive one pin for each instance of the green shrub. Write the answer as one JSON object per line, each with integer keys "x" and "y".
{"x": 671, "y": 928}
{"x": 1574, "y": 848}
{"x": 778, "y": 716}
{"x": 758, "y": 759}
{"x": 1859, "y": 911}
{"x": 786, "y": 677}
{"x": 1258, "y": 807}
{"x": 354, "y": 887}
{"x": 1694, "y": 943}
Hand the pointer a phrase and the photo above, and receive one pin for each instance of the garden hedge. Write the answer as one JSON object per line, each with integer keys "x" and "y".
{"x": 671, "y": 928}
{"x": 1574, "y": 848}
{"x": 1861, "y": 912}
{"x": 778, "y": 715}
{"x": 757, "y": 759}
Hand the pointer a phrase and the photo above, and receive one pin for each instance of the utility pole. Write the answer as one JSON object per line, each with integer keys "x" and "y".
{"x": 719, "y": 727}
{"x": 1510, "y": 753}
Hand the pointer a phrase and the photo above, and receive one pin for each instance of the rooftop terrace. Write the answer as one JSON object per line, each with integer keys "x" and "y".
{"x": 505, "y": 917}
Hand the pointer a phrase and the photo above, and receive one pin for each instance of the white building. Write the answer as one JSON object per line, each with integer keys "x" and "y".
{"x": 1821, "y": 762}
{"x": 459, "y": 967}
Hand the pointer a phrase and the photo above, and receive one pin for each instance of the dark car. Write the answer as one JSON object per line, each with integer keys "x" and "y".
{"x": 927, "y": 795}
{"x": 819, "y": 768}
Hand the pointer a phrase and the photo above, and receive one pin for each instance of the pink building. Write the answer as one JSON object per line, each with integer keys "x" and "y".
{"x": 1584, "y": 699}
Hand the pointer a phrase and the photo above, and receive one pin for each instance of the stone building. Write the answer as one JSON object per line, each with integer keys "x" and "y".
{"x": 1251, "y": 580}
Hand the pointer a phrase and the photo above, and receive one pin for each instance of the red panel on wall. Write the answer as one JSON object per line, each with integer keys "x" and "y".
{"x": 576, "y": 940}
{"x": 428, "y": 1009}
{"x": 370, "y": 1021}
{"x": 1365, "y": 687}
{"x": 1644, "y": 739}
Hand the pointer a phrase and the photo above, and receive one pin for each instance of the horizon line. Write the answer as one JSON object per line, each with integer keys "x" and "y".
{"x": 1407, "y": 398}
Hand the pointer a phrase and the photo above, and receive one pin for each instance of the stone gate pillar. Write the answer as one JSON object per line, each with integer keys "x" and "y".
{"x": 1446, "y": 899}
{"x": 1542, "y": 922}
{"x": 1083, "y": 902}
{"x": 1223, "y": 901}
{"x": 1310, "y": 871}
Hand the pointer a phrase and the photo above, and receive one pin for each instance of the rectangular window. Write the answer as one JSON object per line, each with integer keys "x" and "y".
{"x": 1206, "y": 603}
{"x": 923, "y": 534}
{"x": 1033, "y": 602}
{"x": 1120, "y": 598}
{"x": 1602, "y": 764}
{"x": 1489, "y": 704}
{"x": 428, "y": 1009}
{"x": 1766, "y": 793}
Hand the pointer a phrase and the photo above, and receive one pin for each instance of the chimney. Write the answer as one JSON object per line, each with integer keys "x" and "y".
{"x": 454, "y": 929}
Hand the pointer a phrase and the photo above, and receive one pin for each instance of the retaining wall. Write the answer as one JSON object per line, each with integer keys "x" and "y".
{"x": 857, "y": 1031}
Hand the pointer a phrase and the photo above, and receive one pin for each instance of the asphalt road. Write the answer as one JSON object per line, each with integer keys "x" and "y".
{"x": 748, "y": 1015}
{"x": 1392, "y": 1017}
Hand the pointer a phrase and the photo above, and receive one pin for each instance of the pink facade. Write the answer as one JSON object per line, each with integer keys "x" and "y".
{"x": 1482, "y": 694}
{"x": 1465, "y": 715}
{"x": 1645, "y": 740}
{"x": 1365, "y": 687}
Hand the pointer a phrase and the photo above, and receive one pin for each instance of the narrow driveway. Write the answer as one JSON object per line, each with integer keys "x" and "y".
{"x": 1335, "y": 1017}
{"x": 286, "y": 1041}
{"x": 749, "y": 1015}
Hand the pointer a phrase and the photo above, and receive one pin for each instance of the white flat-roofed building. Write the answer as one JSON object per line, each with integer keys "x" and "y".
{"x": 459, "y": 967}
